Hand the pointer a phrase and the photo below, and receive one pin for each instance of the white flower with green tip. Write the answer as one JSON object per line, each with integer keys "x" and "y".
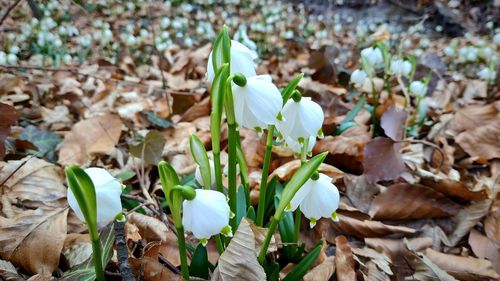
{"x": 241, "y": 61}
{"x": 107, "y": 190}
{"x": 317, "y": 198}
{"x": 301, "y": 119}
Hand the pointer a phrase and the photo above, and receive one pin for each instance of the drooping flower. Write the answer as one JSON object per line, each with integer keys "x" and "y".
{"x": 107, "y": 191}
{"x": 241, "y": 61}
{"x": 206, "y": 215}
{"x": 418, "y": 88}
{"x": 199, "y": 178}
{"x": 296, "y": 146}
{"x": 487, "y": 74}
{"x": 317, "y": 198}
{"x": 257, "y": 104}
{"x": 302, "y": 118}
{"x": 373, "y": 56}
{"x": 401, "y": 67}
{"x": 358, "y": 77}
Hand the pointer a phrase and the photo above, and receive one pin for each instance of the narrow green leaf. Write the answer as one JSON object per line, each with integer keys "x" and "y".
{"x": 286, "y": 226}
{"x": 168, "y": 179}
{"x": 272, "y": 271}
{"x": 157, "y": 120}
{"x": 201, "y": 158}
{"x": 241, "y": 205}
{"x": 287, "y": 92}
{"x": 220, "y": 52}
{"x": 301, "y": 269}
{"x": 344, "y": 126}
{"x": 299, "y": 178}
{"x": 352, "y": 114}
{"x": 199, "y": 262}
{"x": 251, "y": 213}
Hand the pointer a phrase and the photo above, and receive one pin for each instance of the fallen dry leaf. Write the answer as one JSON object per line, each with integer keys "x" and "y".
{"x": 484, "y": 248}
{"x": 452, "y": 188}
{"x": 150, "y": 228}
{"x": 8, "y": 116}
{"x": 34, "y": 239}
{"x": 239, "y": 261}
{"x": 460, "y": 267}
{"x": 323, "y": 271}
{"x": 97, "y": 135}
{"x": 286, "y": 171}
{"x": 482, "y": 141}
{"x": 366, "y": 228}
{"x": 382, "y": 160}
{"x": 406, "y": 201}
{"x": 344, "y": 261}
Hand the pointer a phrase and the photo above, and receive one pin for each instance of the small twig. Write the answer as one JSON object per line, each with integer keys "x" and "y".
{"x": 9, "y": 9}
{"x": 137, "y": 208}
{"x": 122, "y": 251}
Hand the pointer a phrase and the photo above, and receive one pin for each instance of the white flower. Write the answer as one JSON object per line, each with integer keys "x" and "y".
{"x": 296, "y": 146}
{"x": 496, "y": 38}
{"x": 317, "y": 199}
{"x": 241, "y": 61}
{"x": 373, "y": 56}
{"x": 67, "y": 59}
{"x": 401, "y": 67}
{"x": 487, "y": 74}
{"x": 14, "y": 49}
{"x": 449, "y": 51}
{"x": 358, "y": 77}
{"x": 242, "y": 37}
{"x": 257, "y": 104}
{"x": 301, "y": 119}
{"x": 11, "y": 59}
{"x": 165, "y": 22}
{"x": 107, "y": 191}
{"x": 199, "y": 178}
{"x": 418, "y": 88}
{"x": 207, "y": 214}
{"x": 3, "y": 57}
{"x": 485, "y": 53}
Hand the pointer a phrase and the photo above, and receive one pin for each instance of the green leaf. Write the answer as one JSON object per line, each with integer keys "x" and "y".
{"x": 201, "y": 158}
{"x": 344, "y": 126}
{"x": 301, "y": 269}
{"x": 251, "y": 213}
{"x": 168, "y": 179}
{"x": 272, "y": 271}
{"x": 45, "y": 141}
{"x": 221, "y": 50}
{"x": 216, "y": 99}
{"x": 241, "y": 205}
{"x": 199, "y": 263}
{"x": 84, "y": 191}
{"x": 157, "y": 120}
{"x": 125, "y": 175}
{"x": 287, "y": 92}
{"x": 85, "y": 271}
{"x": 352, "y": 114}
{"x": 286, "y": 226}
{"x": 150, "y": 149}
{"x": 270, "y": 192}
{"x": 299, "y": 178}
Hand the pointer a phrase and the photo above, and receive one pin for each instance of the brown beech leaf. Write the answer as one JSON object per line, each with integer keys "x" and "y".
{"x": 323, "y": 271}
{"x": 344, "y": 260}
{"x": 34, "y": 239}
{"x": 380, "y": 259}
{"x": 8, "y": 116}
{"x": 463, "y": 268}
{"x": 287, "y": 170}
{"x": 367, "y": 228}
{"x": 482, "y": 141}
{"x": 492, "y": 223}
{"x": 452, "y": 188}
{"x": 484, "y": 248}
{"x": 392, "y": 121}
{"x": 150, "y": 228}
{"x": 199, "y": 109}
{"x": 426, "y": 270}
{"x": 382, "y": 160}
{"x": 151, "y": 267}
{"x": 474, "y": 116}
{"x": 97, "y": 135}
{"x": 360, "y": 192}
{"x": 239, "y": 261}
{"x": 35, "y": 183}
{"x": 253, "y": 147}
{"x": 405, "y": 201}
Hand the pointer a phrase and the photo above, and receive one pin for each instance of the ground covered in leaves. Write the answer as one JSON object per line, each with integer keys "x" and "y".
{"x": 122, "y": 85}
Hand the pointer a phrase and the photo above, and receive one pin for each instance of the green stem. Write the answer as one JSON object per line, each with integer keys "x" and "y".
{"x": 218, "y": 170}
{"x": 182, "y": 252}
{"x": 97, "y": 258}
{"x": 298, "y": 215}
{"x": 267, "y": 240}
{"x": 265, "y": 173}
{"x": 232, "y": 159}
{"x": 220, "y": 245}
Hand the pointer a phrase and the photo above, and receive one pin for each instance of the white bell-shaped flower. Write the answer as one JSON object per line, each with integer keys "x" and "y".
{"x": 241, "y": 61}
{"x": 107, "y": 191}
{"x": 206, "y": 214}
{"x": 199, "y": 178}
{"x": 317, "y": 198}
{"x": 373, "y": 56}
{"x": 257, "y": 104}
{"x": 358, "y": 77}
{"x": 301, "y": 119}
{"x": 487, "y": 74}
{"x": 296, "y": 146}
{"x": 418, "y": 88}
{"x": 401, "y": 67}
